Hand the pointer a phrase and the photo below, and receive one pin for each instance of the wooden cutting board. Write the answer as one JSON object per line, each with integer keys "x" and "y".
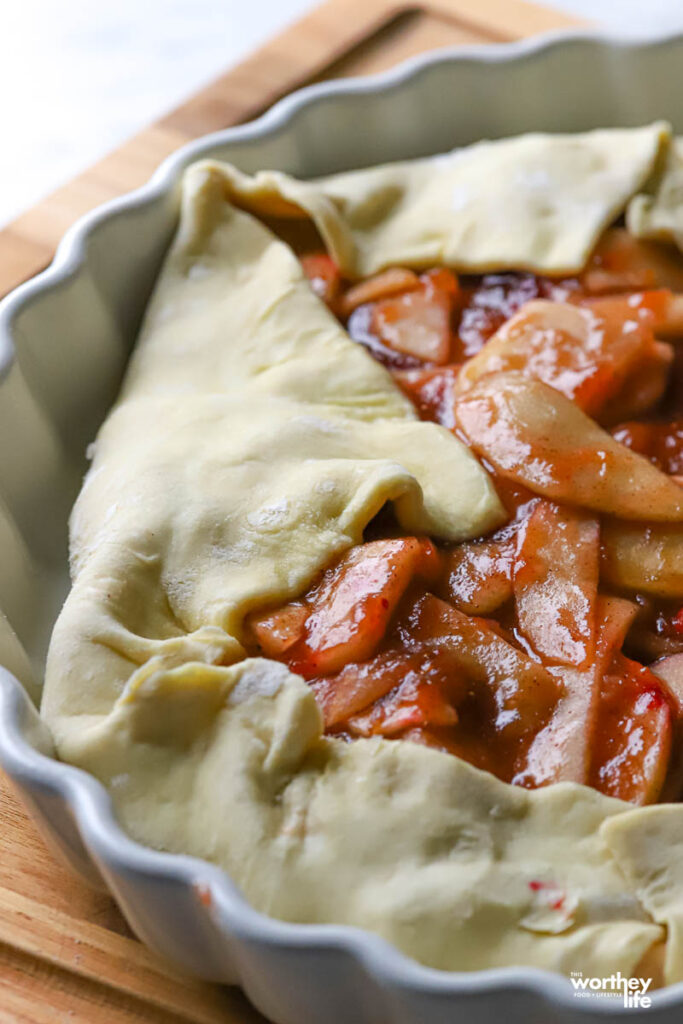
{"x": 66, "y": 953}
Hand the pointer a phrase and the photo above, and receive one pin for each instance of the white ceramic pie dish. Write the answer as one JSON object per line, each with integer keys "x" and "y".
{"x": 64, "y": 339}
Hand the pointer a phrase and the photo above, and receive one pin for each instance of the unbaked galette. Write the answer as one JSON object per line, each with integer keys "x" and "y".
{"x": 378, "y": 569}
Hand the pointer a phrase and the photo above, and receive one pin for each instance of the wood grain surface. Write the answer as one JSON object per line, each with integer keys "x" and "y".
{"x": 66, "y": 953}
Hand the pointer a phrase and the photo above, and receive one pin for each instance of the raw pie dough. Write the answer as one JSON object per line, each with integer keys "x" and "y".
{"x": 251, "y": 444}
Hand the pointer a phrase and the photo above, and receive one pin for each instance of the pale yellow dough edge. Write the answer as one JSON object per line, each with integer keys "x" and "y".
{"x": 252, "y": 442}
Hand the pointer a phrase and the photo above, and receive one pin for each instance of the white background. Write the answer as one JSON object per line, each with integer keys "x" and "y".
{"x": 79, "y": 76}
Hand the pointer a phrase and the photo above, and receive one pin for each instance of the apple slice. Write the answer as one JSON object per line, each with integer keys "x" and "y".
{"x": 357, "y": 686}
{"x": 644, "y": 386}
{"x": 633, "y": 734}
{"x": 416, "y": 704}
{"x": 524, "y": 693}
{"x": 390, "y": 682}
{"x": 643, "y": 557}
{"x": 537, "y": 437}
{"x": 556, "y": 584}
{"x": 562, "y": 751}
{"x": 556, "y": 599}
{"x": 277, "y": 631}
{"x": 621, "y": 262}
{"x": 418, "y": 323}
{"x": 661, "y": 308}
{"x": 669, "y": 324}
{"x": 616, "y": 618}
{"x": 478, "y": 574}
{"x": 323, "y": 275}
{"x": 390, "y": 282}
{"x": 582, "y": 352}
{"x": 670, "y": 671}
{"x": 350, "y": 608}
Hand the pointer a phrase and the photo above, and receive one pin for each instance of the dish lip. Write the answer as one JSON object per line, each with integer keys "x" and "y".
{"x": 84, "y": 794}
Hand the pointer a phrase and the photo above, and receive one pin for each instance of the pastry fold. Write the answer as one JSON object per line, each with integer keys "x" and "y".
{"x": 251, "y": 444}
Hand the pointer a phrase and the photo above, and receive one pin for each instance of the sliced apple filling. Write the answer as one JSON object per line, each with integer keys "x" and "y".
{"x": 551, "y": 649}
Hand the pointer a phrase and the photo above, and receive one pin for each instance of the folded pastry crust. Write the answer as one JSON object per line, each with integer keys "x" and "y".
{"x": 658, "y": 213}
{"x": 534, "y": 202}
{"x": 252, "y": 443}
